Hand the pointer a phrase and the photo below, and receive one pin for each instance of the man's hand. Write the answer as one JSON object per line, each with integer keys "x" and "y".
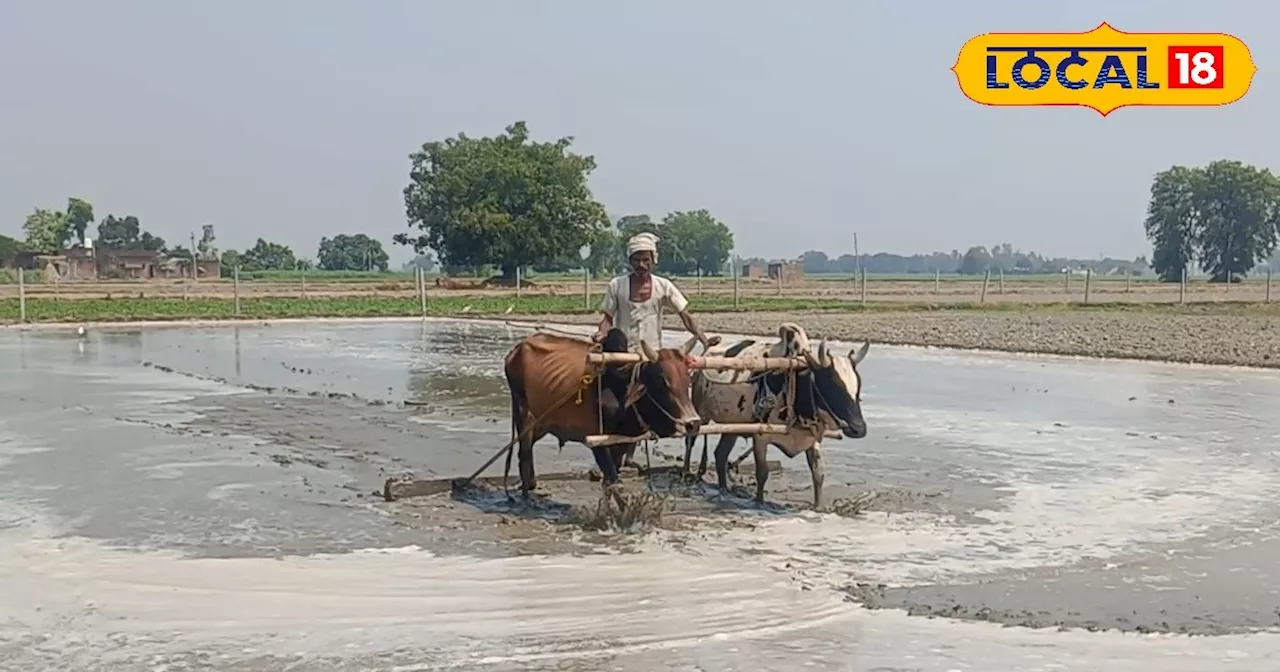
{"x": 598, "y": 337}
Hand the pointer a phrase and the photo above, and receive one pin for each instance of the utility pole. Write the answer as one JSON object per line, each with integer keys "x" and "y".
{"x": 193, "y": 256}
{"x": 857, "y": 260}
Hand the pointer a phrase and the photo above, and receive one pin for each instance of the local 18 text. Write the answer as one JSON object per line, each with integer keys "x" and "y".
{"x": 1031, "y": 68}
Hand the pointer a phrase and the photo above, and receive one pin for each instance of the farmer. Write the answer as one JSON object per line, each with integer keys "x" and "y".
{"x": 634, "y": 303}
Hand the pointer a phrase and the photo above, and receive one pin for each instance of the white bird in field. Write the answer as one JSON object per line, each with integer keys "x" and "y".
{"x": 466, "y": 309}
{"x": 509, "y": 309}
{"x": 80, "y": 331}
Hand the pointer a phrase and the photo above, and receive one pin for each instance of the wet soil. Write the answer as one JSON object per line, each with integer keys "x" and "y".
{"x": 323, "y": 455}
{"x": 323, "y": 432}
{"x": 1231, "y": 590}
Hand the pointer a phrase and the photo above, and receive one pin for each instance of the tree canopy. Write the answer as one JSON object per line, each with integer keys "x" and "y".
{"x": 505, "y": 201}
{"x": 263, "y": 256}
{"x": 688, "y": 241}
{"x": 47, "y": 231}
{"x": 1225, "y": 217}
{"x": 125, "y": 233}
{"x": 79, "y": 217}
{"x": 356, "y": 252}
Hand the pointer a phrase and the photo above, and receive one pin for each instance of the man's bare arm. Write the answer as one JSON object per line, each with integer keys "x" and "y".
{"x": 606, "y": 323}
{"x": 691, "y": 326}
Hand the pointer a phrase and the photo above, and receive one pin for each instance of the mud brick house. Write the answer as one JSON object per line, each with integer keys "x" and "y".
{"x": 790, "y": 271}
{"x": 754, "y": 271}
{"x": 127, "y": 264}
{"x": 101, "y": 263}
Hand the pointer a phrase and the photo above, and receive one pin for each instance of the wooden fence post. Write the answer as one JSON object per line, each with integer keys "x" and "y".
{"x": 422, "y": 295}
{"x": 985, "y": 280}
{"x": 235, "y": 288}
{"x": 1088, "y": 275}
{"x": 736, "y": 280}
{"x": 22, "y": 296}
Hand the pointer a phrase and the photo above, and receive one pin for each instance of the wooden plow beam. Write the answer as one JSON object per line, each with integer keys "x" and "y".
{"x": 716, "y": 362}
{"x": 598, "y": 440}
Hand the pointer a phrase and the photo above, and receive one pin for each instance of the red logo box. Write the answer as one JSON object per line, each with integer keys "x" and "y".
{"x": 1195, "y": 67}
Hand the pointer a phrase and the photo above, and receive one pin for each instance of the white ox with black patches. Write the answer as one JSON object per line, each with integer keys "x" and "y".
{"x": 827, "y": 396}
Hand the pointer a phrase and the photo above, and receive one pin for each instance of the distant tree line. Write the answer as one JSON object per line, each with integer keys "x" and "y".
{"x": 50, "y": 231}
{"x": 975, "y": 261}
{"x": 507, "y": 203}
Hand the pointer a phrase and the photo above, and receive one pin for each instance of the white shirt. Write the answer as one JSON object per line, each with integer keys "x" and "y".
{"x": 641, "y": 319}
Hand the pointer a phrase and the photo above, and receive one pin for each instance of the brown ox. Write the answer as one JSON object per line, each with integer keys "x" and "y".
{"x": 545, "y": 374}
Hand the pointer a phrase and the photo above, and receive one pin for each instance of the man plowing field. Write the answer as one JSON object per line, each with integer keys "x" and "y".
{"x": 634, "y": 304}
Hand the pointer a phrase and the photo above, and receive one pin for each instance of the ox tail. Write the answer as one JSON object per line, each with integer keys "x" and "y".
{"x": 519, "y": 402}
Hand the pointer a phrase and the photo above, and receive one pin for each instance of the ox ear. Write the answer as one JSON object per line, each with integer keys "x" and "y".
{"x": 688, "y": 346}
{"x": 647, "y": 350}
{"x": 858, "y": 355}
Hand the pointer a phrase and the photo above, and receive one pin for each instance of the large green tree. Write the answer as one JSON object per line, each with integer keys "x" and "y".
{"x": 79, "y": 216}
{"x": 47, "y": 231}
{"x": 697, "y": 242}
{"x": 351, "y": 253}
{"x": 125, "y": 233}
{"x": 975, "y": 262}
{"x": 265, "y": 256}
{"x": 505, "y": 200}
{"x": 688, "y": 241}
{"x": 1225, "y": 217}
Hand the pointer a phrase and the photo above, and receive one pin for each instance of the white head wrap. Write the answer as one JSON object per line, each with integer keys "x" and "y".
{"x": 642, "y": 242}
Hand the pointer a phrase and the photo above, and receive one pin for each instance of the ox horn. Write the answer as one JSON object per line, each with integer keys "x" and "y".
{"x": 647, "y": 350}
{"x": 814, "y": 362}
{"x": 857, "y": 356}
{"x": 824, "y": 355}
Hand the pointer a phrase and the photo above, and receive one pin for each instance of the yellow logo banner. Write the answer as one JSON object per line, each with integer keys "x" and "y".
{"x": 1104, "y": 69}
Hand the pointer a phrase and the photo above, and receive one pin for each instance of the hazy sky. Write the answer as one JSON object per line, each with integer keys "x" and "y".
{"x": 796, "y": 123}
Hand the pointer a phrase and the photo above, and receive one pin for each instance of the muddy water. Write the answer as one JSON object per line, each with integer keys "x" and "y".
{"x": 202, "y": 499}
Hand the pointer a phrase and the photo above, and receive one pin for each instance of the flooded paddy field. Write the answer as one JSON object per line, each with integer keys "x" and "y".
{"x": 208, "y": 499}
